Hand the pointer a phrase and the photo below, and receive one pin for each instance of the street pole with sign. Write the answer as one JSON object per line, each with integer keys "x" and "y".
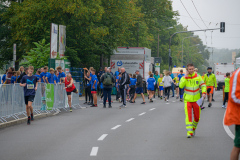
{"x": 14, "y": 54}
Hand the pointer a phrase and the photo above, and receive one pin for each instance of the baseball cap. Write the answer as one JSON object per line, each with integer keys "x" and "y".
{"x": 209, "y": 68}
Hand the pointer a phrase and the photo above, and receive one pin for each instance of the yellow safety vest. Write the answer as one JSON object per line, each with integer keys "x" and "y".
{"x": 210, "y": 80}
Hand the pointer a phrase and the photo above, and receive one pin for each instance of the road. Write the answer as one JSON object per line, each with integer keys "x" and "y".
{"x": 139, "y": 132}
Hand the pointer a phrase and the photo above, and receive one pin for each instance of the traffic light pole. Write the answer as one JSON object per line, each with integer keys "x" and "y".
{"x": 170, "y": 40}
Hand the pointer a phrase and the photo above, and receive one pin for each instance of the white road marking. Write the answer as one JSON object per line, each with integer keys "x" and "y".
{"x": 130, "y": 120}
{"x": 173, "y": 101}
{"x": 152, "y": 109}
{"x": 142, "y": 113}
{"x": 167, "y": 103}
{"x": 227, "y": 130}
{"x": 117, "y": 126}
{"x": 102, "y": 137}
{"x": 94, "y": 151}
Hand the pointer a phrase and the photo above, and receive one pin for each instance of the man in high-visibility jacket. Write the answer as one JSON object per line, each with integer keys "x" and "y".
{"x": 232, "y": 115}
{"x": 211, "y": 81}
{"x": 191, "y": 84}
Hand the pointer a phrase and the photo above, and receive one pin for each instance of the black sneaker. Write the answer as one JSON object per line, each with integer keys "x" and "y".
{"x": 143, "y": 103}
{"x": 132, "y": 102}
{"x": 104, "y": 106}
{"x": 210, "y": 105}
{"x": 161, "y": 97}
{"x": 109, "y": 106}
{"x": 28, "y": 121}
{"x": 94, "y": 105}
{"x": 213, "y": 100}
{"x": 32, "y": 119}
{"x": 151, "y": 100}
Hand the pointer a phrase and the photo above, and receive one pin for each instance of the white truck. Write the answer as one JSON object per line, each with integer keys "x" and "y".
{"x": 132, "y": 59}
{"x": 220, "y": 71}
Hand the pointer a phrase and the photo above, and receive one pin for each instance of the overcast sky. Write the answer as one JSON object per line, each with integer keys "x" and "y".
{"x": 214, "y": 11}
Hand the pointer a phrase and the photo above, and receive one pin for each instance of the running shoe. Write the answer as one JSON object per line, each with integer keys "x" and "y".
{"x": 132, "y": 102}
{"x": 223, "y": 106}
{"x": 213, "y": 100}
{"x": 104, "y": 106}
{"x": 85, "y": 103}
{"x": 70, "y": 109}
{"x": 181, "y": 100}
{"x": 28, "y": 121}
{"x": 143, "y": 103}
{"x": 161, "y": 97}
{"x": 32, "y": 119}
{"x": 167, "y": 100}
{"x": 76, "y": 91}
{"x": 210, "y": 105}
{"x": 177, "y": 97}
{"x": 109, "y": 106}
{"x": 94, "y": 105}
{"x": 202, "y": 108}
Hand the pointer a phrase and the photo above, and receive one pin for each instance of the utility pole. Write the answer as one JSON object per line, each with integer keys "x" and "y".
{"x": 158, "y": 46}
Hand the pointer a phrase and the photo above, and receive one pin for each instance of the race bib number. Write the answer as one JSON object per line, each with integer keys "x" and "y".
{"x": 177, "y": 84}
{"x": 161, "y": 83}
{"x": 30, "y": 86}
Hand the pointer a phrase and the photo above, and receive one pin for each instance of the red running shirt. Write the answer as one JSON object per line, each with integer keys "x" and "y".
{"x": 70, "y": 89}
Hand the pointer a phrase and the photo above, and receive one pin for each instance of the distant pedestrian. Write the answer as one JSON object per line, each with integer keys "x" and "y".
{"x": 167, "y": 80}
{"x": 94, "y": 82}
{"x": 156, "y": 77}
{"x": 226, "y": 89}
{"x": 118, "y": 95}
{"x": 21, "y": 69}
{"x": 87, "y": 88}
{"x": 128, "y": 87}
{"x": 30, "y": 84}
{"x": 70, "y": 87}
{"x": 149, "y": 73}
{"x": 132, "y": 90}
{"x": 139, "y": 88}
{"x": 23, "y": 74}
{"x": 160, "y": 85}
{"x": 107, "y": 80}
{"x": 232, "y": 115}
{"x": 17, "y": 76}
{"x": 117, "y": 72}
{"x": 181, "y": 90}
{"x": 176, "y": 82}
{"x": 123, "y": 86}
{"x": 151, "y": 83}
{"x": 172, "y": 84}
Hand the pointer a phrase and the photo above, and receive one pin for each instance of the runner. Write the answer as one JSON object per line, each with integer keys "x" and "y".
{"x": 70, "y": 87}
{"x": 192, "y": 82}
{"x": 167, "y": 80}
{"x": 30, "y": 84}
{"x": 160, "y": 85}
{"x": 181, "y": 89}
{"x": 151, "y": 86}
{"x": 176, "y": 82}
{"x": 232, "y": 115}
{"x": 94, "y": 81}
{"x": 226, "y": 89}
{"x": 210, "y": 80}
{"x": 132, "y": 90}
{"x": 156, "y": 77}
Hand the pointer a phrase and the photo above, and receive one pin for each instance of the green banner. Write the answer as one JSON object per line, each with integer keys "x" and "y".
{"x": 49, "y": 96}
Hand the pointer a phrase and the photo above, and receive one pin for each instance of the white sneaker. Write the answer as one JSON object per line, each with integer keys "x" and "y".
{"x": 223, "y": 106}
{"x": 167, "y": 100}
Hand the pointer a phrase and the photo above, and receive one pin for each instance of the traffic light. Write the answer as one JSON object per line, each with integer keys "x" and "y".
{"x": 170, "y": 61}
{"x": 222, "y": 27}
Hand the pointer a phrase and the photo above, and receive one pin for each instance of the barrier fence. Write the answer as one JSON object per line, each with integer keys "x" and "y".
{"x": 48, "y": 98}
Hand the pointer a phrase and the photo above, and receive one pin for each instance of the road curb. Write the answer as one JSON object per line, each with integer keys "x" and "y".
{"x": 23, "y": 120}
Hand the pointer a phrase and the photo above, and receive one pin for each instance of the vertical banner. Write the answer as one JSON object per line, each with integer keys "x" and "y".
{"x": 67, "y": 66}
{"x": 62, "y": 40}
{"x": 54, "y": 40}
{"x": 14, "y": 54}
{"x": 49, "y": 96}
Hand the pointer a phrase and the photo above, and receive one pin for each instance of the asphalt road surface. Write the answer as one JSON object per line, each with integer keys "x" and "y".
{"x": 155, "y": 131}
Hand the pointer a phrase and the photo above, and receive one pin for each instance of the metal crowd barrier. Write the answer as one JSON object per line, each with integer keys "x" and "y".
{"x": 12, "y": 105}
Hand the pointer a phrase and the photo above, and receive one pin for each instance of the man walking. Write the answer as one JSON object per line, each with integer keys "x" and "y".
{"x": 233, "y": 112}
{"x": 107, "y": 80}
{"x": 123, "y": 86}
{"x": 211, "y": 81}
{"x": 192, "y": 83}
{"x": 139, "y": 88}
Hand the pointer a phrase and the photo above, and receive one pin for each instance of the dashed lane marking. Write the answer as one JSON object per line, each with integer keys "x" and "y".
{"x": 94, "y": 151}
{"x": 102, "y": 137}
{"x": 117, "y": 126}
{"x": 152, "y": 109}
{"x": 130, "y": 120}
{"x": 142, "y": 113}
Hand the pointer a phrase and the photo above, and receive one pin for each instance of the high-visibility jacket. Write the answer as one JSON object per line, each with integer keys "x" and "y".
{"x": 191, "y": 85}
{"x": 210, "y": 80}
{"x": 233, "y": 108}
{"x": 227, "y": 84}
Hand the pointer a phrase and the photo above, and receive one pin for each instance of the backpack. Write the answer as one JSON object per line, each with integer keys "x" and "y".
{"x": 107, "y": 80}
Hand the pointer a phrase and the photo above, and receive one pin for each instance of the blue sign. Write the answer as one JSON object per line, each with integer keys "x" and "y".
{"x": 119, "y": 63}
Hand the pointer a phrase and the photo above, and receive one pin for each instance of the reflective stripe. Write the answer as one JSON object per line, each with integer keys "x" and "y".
{"x": 191, "y": 93}
{"x": 234, "y": 87}
{"x": 189, "y": 125}
{"x": 189, "y": 129}
{"x": 192, "y": 88}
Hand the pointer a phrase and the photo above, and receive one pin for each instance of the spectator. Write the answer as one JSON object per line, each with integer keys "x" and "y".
{"x": 156, "y": 77}
{"x": 9, "y": 75}
{"x": 23, "y": 74}
{"x": 101, "y": 90}
{"x": 196, "y": 71}
{"x": 160, "y": 84}
{"x": 4, "y": 77}
{"x": 90, "y": 80}
{"x": 56, "y": 74}
{"x": 44, "y": 74}
{"x": 87, "y": 87}
{"x": 61, "y": 74}
{"x": 117, "y": 72}
{"x": 107, "y": 80}
{"x": 232, "y": 115}
{"x": 151, "y": 86}
{"x": 21, "y": 69}
{"x": 17, "y": 76}
{"x": 100, "y": 73}
{"x": 38, "y": 75}
{"x": 94, "y": 82}
{"x": 13, "y": 78}
{"x": 123, "y": 86}
{"x": 42, "y": 70}
{"x": 139, "y": 88}
{"x": 172, "y": 84}
{"x": 226, "y": 89}
{"x": 132, "y": 90}
{"x": 110, "y": 71}
{"x": 167, "y": 80}
{"x": 51, "y": 78}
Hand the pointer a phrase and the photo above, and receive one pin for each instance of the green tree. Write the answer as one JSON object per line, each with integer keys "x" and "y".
{"x": 38, "y": 56}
